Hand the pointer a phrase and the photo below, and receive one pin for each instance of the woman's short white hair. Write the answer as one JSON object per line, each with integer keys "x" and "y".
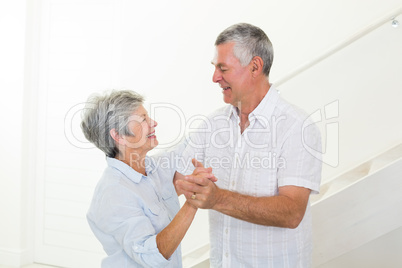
{"x": 103, "y": 113}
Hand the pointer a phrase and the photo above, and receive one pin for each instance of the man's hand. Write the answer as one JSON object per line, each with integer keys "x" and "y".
{"x": 199, "y": 171}
{"x": 199, "y": 188}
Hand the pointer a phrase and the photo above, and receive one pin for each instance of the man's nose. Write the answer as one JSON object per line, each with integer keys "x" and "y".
{"x": 216, "y": 77}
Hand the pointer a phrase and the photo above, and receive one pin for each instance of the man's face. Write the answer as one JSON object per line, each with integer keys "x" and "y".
{"x": 233, "y": 78}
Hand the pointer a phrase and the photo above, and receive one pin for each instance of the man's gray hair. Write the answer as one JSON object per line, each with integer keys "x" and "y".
{"x": 104, "y": 112}
{"x": 250, "y": 41}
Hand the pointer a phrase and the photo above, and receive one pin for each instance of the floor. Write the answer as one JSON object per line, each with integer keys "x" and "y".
{"x": 205, "y": 264}
{"x": 30, "y": 266}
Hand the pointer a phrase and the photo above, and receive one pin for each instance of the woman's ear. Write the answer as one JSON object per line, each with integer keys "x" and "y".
{"x": 119, "y": 139}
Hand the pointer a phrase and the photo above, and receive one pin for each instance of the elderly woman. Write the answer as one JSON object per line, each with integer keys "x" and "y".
{"x": 135, "y": 212}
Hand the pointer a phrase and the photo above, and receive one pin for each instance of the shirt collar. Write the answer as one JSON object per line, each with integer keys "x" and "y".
{"x": 233, "y": 112}
{"x": 128, "y": 171}
{"x": 266, "y": 107}
{"x": 150, "y": 164}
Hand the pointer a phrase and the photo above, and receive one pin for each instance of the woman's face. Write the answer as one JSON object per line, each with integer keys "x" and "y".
{"x": 143, "y": 129}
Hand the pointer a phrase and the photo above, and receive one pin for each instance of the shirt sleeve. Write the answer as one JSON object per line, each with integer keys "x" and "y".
{"x": 123, "y": 216}
{"x": 301, "y": 152}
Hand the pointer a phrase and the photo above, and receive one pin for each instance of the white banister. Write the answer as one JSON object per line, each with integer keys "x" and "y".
{"x": 337, "y": 47}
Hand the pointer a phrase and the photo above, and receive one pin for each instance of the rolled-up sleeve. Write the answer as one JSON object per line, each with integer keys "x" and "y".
{"x": 147, "y": 253}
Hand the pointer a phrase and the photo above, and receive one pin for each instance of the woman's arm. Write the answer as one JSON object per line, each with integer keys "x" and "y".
{"x": 169, "y": 238}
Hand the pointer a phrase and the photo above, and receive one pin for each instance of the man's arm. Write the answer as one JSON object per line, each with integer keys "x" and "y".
{"x": 284, "y": 210}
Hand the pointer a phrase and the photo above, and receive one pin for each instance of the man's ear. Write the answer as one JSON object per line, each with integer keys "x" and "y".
{"x": 256, "y": 65}
{"x": 119, "y": 139}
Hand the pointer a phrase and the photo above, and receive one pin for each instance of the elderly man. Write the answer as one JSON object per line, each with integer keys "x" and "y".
{"x": 259, "y": 207}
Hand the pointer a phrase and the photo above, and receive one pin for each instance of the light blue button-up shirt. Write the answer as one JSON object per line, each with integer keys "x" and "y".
{"x": 129, "y": 209}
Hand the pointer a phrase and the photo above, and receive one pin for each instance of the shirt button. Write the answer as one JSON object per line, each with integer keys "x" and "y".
{"x": 226, "y": 254}
{"x": 233, "y": 183}
{"x": 226, "y": 231}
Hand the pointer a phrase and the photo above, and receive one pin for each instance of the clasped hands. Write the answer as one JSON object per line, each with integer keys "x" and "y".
{"x": 199, "y": 188}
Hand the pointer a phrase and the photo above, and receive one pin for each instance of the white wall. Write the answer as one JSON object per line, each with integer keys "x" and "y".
{"x": 163, "y": 50}
{"x": 14, "y": 237}
{"x": 364, "y": 82}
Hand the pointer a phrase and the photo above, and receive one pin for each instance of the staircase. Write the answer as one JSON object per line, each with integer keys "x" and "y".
{"x": 358, "y": 208}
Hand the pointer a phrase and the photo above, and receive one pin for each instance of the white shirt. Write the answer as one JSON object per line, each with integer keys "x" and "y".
{"x": 129, "y": 209}
{"x": 269, "y": 154}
